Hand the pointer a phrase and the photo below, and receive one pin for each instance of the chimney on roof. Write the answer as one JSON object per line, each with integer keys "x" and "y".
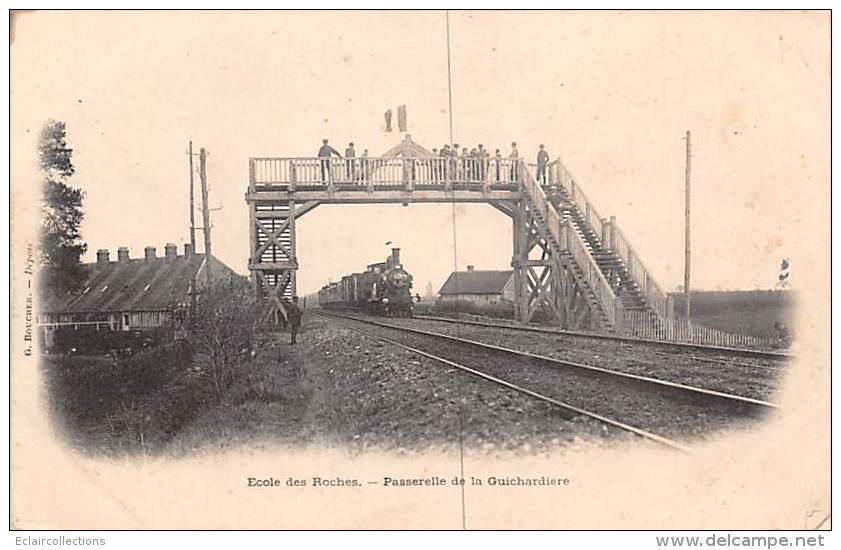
{"x": 122, "y": 254}
{"x": 188, "y": 250}
{"x": 102, "y": 257}
{"x": 471, "y": 268}
{"x": 170, "y": 251}
{"x": 150, "y": 254}
{"x": 395, "y": 257}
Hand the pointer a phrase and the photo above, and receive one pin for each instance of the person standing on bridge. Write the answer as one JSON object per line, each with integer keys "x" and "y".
{"x": 293, "y": 315}
{"x": 515, "y": 160}
{"x": 454, "y": 162}
{"x": 350, "y": 155}
{"x": 483, "y": 163}
{"x": 445, "y": 155}
{"x": 542, "y": 161}
{"x": 324, "y": 155}
{"x": 497, "y": 164}
{"x": 463, "y": 159}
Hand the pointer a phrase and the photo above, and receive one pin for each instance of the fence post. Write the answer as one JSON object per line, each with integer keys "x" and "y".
{"x": 368, "y": 168}
{"x": 293, "y": 176}
{"x": 619, "y": 315}
{"x": 408, "y": 182}
{"x": 563, "y": 243}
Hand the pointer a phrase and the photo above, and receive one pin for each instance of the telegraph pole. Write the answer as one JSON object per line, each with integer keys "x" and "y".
{"x": 192, "y": 203}
{"x": 205, "y": 215}
{"x": 688, "y": 252}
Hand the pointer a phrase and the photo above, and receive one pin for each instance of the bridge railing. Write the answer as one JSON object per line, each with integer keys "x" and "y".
{"x": 397, "y": 172}
{"x": 654, "y": 295}
{"x": 613, "y": 239}
{"x": 572, "y": 242}
{"x": 611, "y": 304}
{"x": 559, "y": 175}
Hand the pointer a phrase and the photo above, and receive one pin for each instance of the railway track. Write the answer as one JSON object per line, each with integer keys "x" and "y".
{"x": 756, "y": 377}
{"x": 654, "y": 409}
{"x": 614, "y": 337}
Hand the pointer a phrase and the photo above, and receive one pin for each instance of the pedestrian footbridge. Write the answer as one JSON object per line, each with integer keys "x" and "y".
{"x": 568, "y": 259}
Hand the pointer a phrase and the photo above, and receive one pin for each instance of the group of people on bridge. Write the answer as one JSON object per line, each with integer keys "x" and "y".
{"x": 454, "y": 164}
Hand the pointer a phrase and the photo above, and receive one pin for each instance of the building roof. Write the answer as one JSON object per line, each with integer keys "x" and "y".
{"x": 475, "y": 282}
{"x": 409, "y": 149}
{"x": 136, "y": 285}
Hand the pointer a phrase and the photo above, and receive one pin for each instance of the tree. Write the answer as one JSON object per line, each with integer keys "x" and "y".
{"x": 222, "y": 330}
{"x": 61, "y": 207}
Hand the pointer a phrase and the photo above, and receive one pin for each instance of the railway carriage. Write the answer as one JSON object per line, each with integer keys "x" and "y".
{"x": 384, "y": 288}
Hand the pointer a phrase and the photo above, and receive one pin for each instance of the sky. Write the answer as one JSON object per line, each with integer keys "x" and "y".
{"x": 611, "y": 93}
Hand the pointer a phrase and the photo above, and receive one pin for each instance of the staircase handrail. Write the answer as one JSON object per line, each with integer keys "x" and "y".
{"x": 563, "y": 177}
{"x": 654, "y": 295}
{"x": 594, "y": 276}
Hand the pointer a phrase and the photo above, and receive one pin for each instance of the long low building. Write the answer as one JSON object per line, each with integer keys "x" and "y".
{"x": 127, "y": 295}
{"x": 479, "y": 286}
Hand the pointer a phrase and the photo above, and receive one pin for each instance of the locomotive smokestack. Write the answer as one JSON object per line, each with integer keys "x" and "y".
{"x": 395, "y": 256}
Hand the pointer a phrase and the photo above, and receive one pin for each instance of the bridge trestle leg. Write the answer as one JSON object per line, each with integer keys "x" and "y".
{"x": 546, "y": 284}
{"x": 272, "y": 259}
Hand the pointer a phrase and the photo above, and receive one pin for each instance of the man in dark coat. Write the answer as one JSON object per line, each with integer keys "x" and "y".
{"x": 293, "y": 315}
{"x": 542, "y": 161}
{"x": 324, "y": 153}
{"x": 515, "y": 161}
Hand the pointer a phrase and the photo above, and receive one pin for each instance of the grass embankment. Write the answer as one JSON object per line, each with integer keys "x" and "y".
{"x": 128, "y": 406}
{"x": 752, "y": 312}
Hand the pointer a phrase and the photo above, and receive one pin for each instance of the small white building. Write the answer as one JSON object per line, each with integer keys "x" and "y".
{"x": 479, "y": 286}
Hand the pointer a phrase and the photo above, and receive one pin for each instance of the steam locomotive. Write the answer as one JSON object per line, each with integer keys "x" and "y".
{"x": 382, "y": 289}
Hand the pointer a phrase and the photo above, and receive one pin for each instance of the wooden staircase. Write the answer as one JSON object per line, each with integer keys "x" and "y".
{"x": 622, "y": 293}
{"x": 574, "y": 261}
{"x": 614, "y": 269}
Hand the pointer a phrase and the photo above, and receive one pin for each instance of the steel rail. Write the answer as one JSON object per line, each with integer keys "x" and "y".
{"x": 707, "y": 393}
{"x": 605, "y": 420}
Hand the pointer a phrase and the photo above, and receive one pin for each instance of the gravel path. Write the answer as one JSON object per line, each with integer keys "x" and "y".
{"x": 757, "y": 378}
{"x": 668, "y": 413}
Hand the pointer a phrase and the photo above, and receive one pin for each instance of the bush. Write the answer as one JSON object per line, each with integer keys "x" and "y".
{"x": 753, "y": 312}
{"x": 222, "y": 330}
